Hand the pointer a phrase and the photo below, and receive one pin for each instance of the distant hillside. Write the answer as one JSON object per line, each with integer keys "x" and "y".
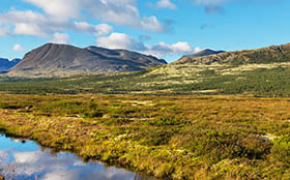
{"x": 5, "y": 64}
{"x": 64, "y": 60}
{"x": 262, "y": 72}
{"x": 202, "y": 53}
{"x": 264, "y": 55}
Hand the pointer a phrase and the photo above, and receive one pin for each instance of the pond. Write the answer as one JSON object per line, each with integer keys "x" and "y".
{"x": 26, "y": 160}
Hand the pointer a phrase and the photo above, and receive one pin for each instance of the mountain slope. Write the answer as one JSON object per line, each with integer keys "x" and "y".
{"x": 202, "y": 53}
{"x": 263, "y": 55}
{"x": 258, "y": 76}
{"x": 64, "y": 60}
{"x": 5, "y": 64}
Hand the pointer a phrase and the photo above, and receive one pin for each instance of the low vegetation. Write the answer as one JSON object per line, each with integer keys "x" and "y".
{"x": 266, "y": 55}
{"x": 168, "y": 137}
{"x": 268, "y": 80}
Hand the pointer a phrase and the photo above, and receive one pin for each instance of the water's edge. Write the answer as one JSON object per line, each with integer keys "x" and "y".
{"x": 130, "y": 174}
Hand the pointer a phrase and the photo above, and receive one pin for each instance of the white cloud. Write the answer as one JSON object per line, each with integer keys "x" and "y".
{"x": 21, "y": 16}
{"x": 63, "y": 15}
{"x": 98, "y": 30}
{"x": 31, "y": 23}
{"x": 17, "y": 47}
{"x": 60, "y": 38}
{"x": 162, "y": 49}
{"x": 103, "y": 29}
{"x": 84, "y": 26}
{"x": 25, "y": 22}
{"x": 197, "y": 49}
{"x": 120, "y": 41}
{"x": 151, "y": 23}
{"x": 166, "y": 4}
{"x": 58, "y": 9}
{"x": 123, "y": 41}
{"x": 29, "y": 29}
{"x": 120, "y": 12}
{"x": 181, "y": 47}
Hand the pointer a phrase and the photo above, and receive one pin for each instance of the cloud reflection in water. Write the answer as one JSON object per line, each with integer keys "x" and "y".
{"x": 42, "y": 164}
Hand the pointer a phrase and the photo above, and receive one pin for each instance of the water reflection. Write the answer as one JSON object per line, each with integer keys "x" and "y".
{"x": 20, "y": 160}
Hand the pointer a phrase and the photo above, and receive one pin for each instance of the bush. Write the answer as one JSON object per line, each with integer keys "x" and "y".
{"x": 155, "y": 137}
{"x": 8, "y": 106}
{"x": 92, "y": 110}
{"x": 166, "y": 121}
{"x": 3, "y": 105}
{"x": 281, "y": 149}
{"x": 62, "y": 107}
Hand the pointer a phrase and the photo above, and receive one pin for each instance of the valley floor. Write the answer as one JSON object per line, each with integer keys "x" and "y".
{"x": 168, "y": 137}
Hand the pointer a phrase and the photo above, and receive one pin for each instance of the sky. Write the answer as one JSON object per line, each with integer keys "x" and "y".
{"x": 166, "y": 29}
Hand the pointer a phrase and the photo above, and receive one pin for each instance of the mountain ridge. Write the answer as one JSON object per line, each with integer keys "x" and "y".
{"x": 58, "y": 60}
{"x": 257, "y": 76}
{"x": 280, "y": 53}
{"x": 6, "y": 64}
{"x": 205, "y": 52}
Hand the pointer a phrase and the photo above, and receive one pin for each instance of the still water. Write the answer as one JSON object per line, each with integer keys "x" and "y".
{"x": 26, "y": 160}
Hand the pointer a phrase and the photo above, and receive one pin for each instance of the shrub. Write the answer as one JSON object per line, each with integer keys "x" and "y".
{"x": 3, "y": 105}
{"x": 92, "y": 110}
{"x": 8, "y": 106}
{"x": 281, "y": 149}
{"x": 166, "y": 121}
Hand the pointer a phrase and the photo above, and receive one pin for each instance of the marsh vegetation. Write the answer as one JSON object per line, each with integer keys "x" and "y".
{"x": 169, "y": 137}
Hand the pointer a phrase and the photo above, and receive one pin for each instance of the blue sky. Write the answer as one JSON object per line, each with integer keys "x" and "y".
{"x": 164, "y": 28}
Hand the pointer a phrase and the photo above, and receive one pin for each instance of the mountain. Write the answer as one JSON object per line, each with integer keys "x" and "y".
{"x": 205, "y": 52}
{"x": 5, "y": 64}
{"x": 259, "y": 72}
{"x": 56, "y": 60}
{"x": 263, "y": 55}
